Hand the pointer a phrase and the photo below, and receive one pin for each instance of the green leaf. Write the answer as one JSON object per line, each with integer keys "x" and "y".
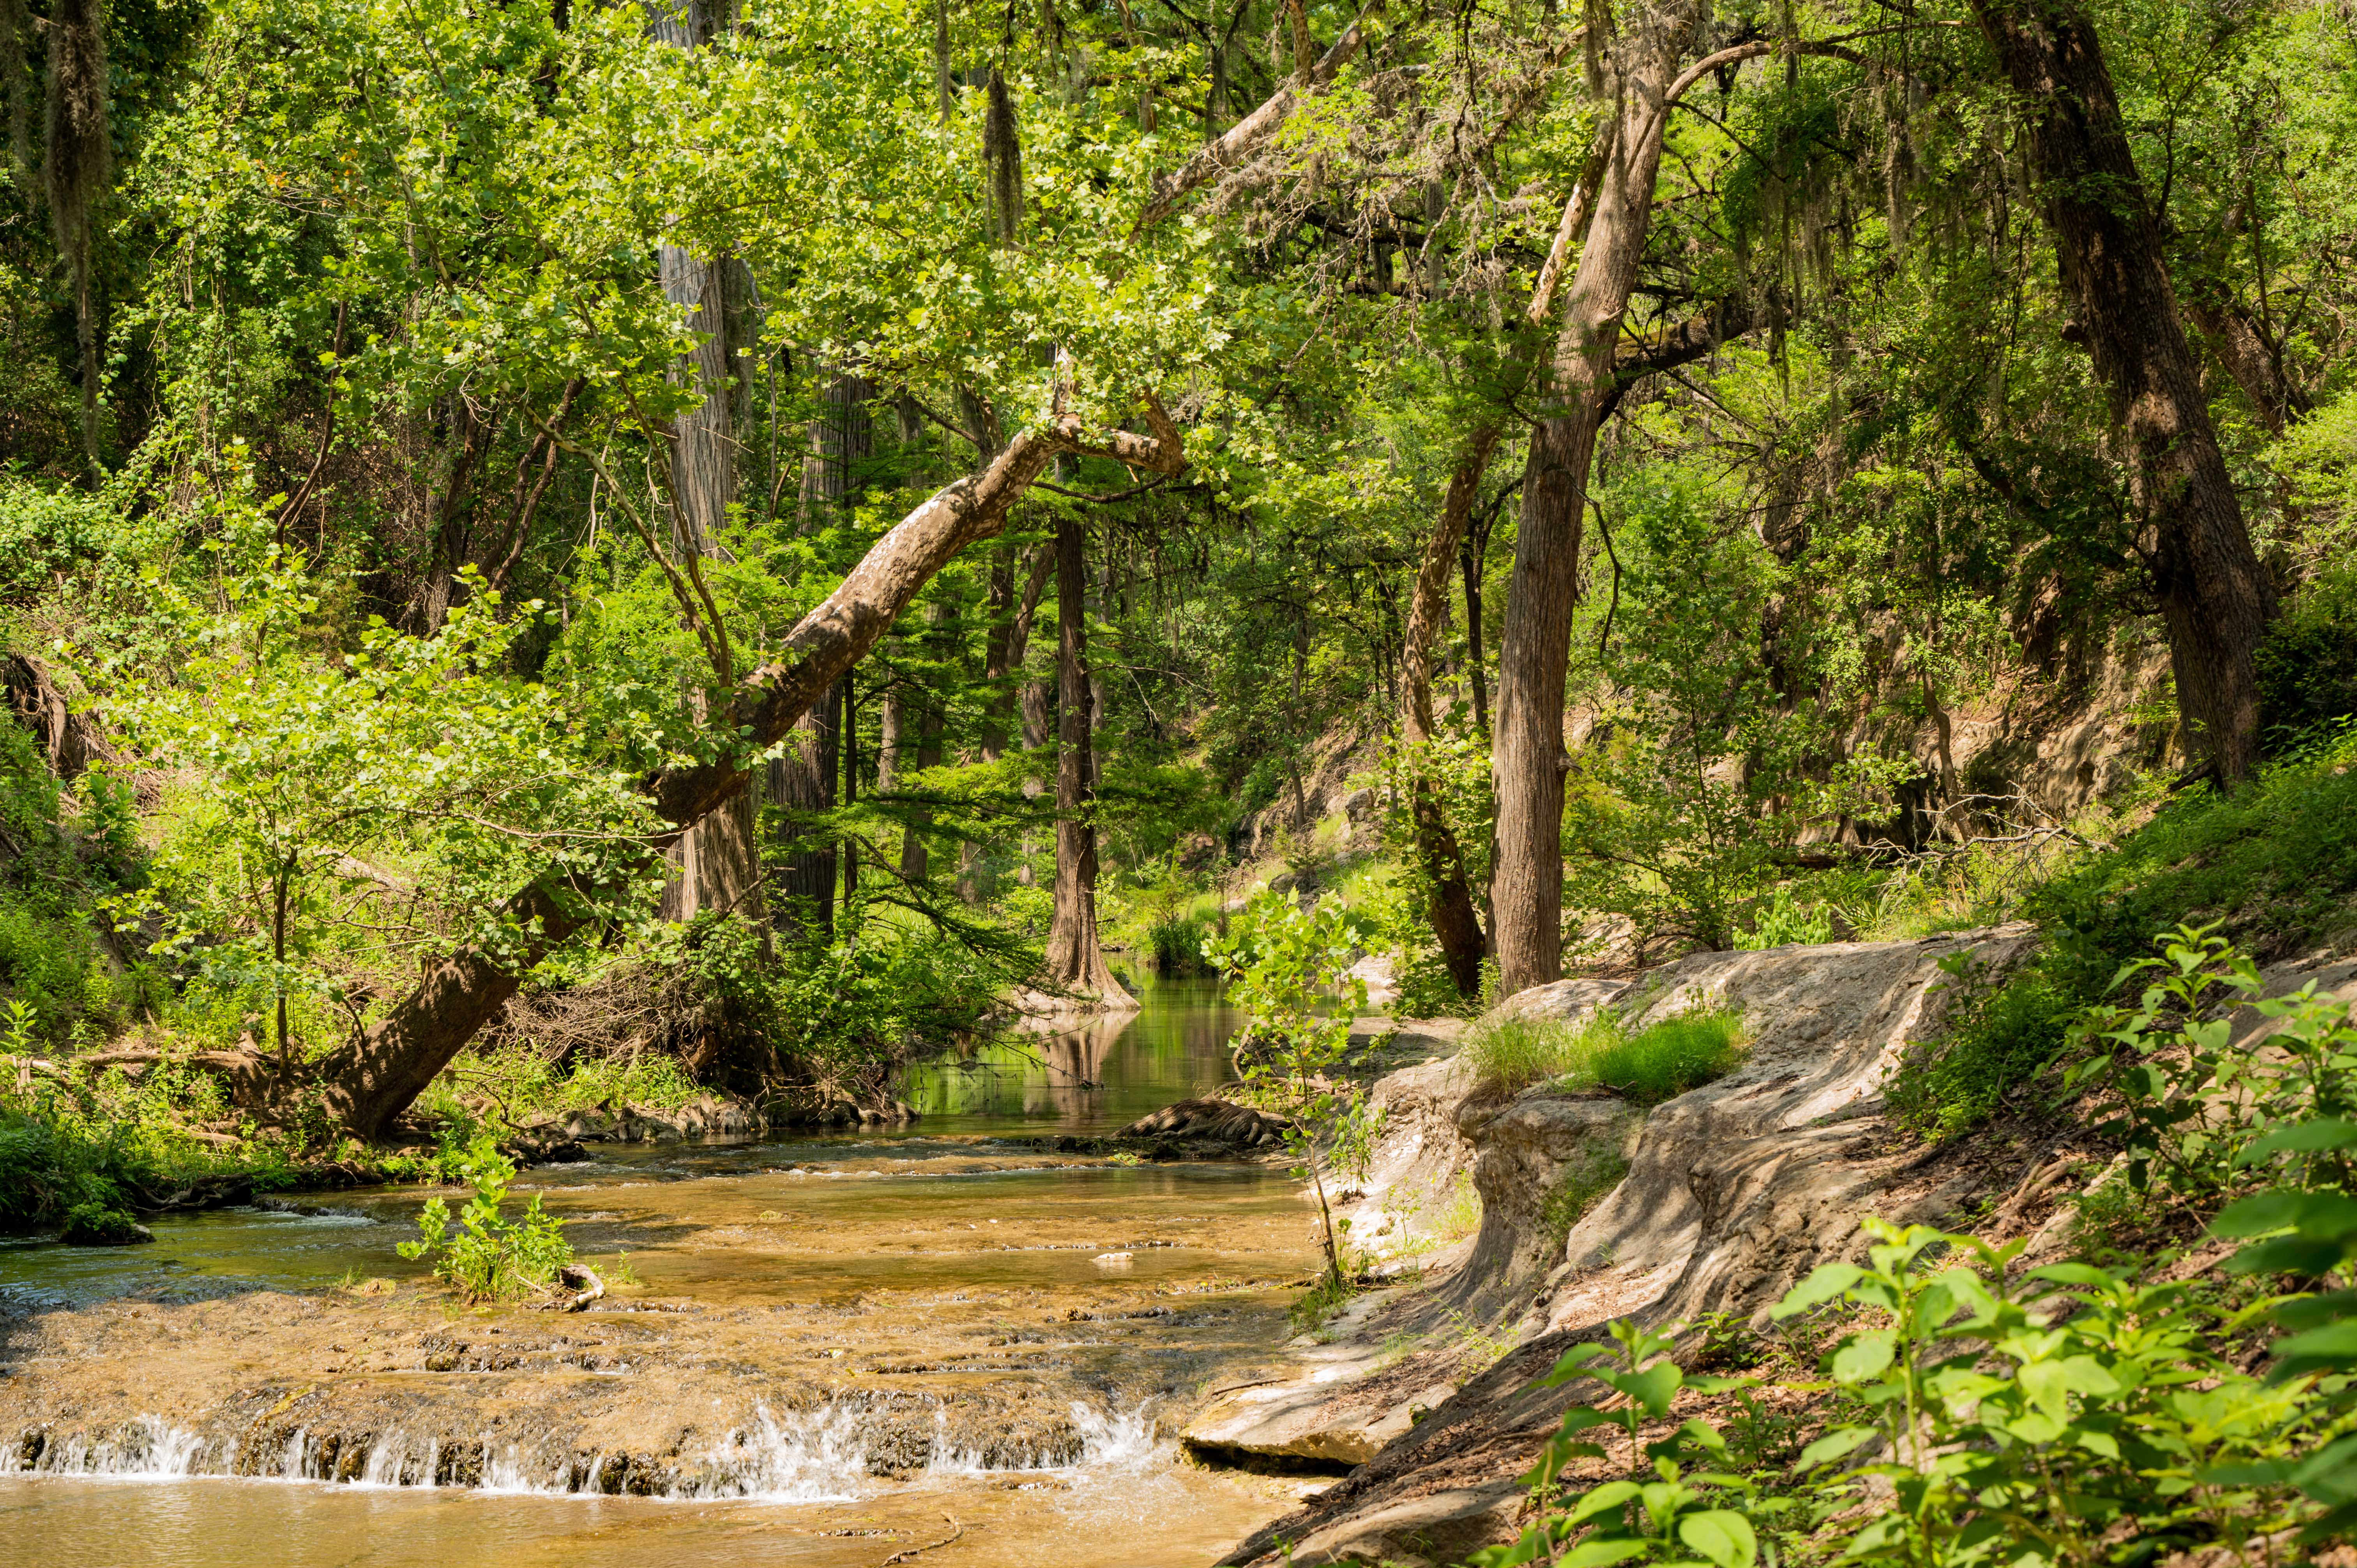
{"x": 1611, "y": 1495}
{"x": 1652, "y": 1388}
{"x": 1824, "y": 1284}
{"x": 1722, "y": 1535}
{"x": 1834, "y": 1445}
{"x": 2305, "y": 1137}
{"x": 1865, "y": 1356}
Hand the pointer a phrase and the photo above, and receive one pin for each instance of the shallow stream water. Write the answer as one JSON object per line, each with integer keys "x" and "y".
{"x": 939, "y": 1267}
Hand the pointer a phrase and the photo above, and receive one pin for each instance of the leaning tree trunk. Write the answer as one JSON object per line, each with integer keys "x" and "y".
{"x": 1075, "y": 962}
{"x": 2216, "y": 596}
{"x": 373, "y": 1076}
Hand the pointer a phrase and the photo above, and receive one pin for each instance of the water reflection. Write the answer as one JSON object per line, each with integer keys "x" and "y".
{"x": 1096, "y": 1078}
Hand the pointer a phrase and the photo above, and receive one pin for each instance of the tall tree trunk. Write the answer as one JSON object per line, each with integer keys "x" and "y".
{"x": 803, "y": 781}
{"x": 1075, "y": 962}
{"x": 1528, "y": 760}
{"x": 2216, "y": 599}
{"x": 1449, "y": 904}
{"x": 373, "y": 1076}
{"x": 716, "y": 862}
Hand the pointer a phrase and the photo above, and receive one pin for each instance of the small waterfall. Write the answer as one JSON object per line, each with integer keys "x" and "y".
{"x": 814, "y": 1457}
{"x": 794, "y": 1457}
{"x": 1117, "y": 1437}
{"x": 147, "y": 1449}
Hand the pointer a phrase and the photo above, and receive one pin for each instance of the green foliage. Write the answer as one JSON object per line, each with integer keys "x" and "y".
{"x": 1999, "y": 1037}
{"x": 1595, "y": 1168}
{"x": 111, "y": 1140}
{"x": 340, "y": 819}
{"x": 2275, "y": 862}
{"x": 2008, "y": 1432}
{"x": 2270, "y": 866}
{"x": 1784, "y": 920}
{"x": 95, "y": 1225}
{"x": 1285, "y": 964}
{"x": 1177, "y": 943}
{"x": 1658, "y": 1063}
{"x": 487, "y": 1257}
{"x": 1667, "y": 1510}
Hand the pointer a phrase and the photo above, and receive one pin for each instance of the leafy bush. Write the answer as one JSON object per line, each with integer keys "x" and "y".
{"x": 1656, "y": 1064}
{"x": 490, "y": 1257}
{"x": 1286, "y": 963}
{"x": 2001, "y": 1035}
{"x": 2272, "y": 867}
{"x": 1781, "y": 920}
{"x": 96, "y": 1225}
{"x": 1177, "y": 943}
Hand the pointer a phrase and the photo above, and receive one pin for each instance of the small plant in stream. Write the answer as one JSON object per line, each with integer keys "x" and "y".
{"x": 488, "y": 1257}
{"x": 1286, "y": 962}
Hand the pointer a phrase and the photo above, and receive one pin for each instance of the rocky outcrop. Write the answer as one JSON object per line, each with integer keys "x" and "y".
{"x": 1733, "y": 1191}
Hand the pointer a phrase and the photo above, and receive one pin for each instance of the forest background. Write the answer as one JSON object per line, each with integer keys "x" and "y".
{"x": 586, "y": 554}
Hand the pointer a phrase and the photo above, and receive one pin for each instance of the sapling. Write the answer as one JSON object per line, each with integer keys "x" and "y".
{"x": 1285, "y": 963}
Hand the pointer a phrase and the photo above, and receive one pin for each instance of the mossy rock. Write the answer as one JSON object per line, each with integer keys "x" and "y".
{"x": 95, "y": 1225}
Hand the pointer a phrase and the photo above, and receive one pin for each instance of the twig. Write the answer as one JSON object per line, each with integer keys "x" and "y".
{"x": 957, "y": 1530}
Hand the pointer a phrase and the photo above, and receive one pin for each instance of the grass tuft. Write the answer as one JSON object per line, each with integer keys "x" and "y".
{"x": 1645, "y": 1068}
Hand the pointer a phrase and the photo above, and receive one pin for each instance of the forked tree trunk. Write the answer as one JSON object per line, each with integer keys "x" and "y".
{"x": 373, "y": 1076}
{"x": 1528, "y": 760}
{"x": 2216, "y": 596}
{"x": 1449, "y": 905}
{"x": 1075, "y": 962}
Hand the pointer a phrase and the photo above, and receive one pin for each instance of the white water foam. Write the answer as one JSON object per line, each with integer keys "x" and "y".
{"x": 1107, "y": 1438}
{"x": 816, "y": 1457}
{"x": 801, "y": 1457}
{"x": 147, "y": 1449}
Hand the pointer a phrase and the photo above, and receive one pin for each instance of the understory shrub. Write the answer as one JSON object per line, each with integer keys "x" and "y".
{"x": 1655, "y": 1063}
{"x": 488, "y": 1257}
{"x": 2273, "y": 867}
{"x": 2001, "y": 1034}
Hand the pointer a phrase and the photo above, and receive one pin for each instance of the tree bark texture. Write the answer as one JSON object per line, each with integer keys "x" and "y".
{"x": 802, "y": 781}
{"x": 2216, "y": 599}
{"x": 1528, "y": 760}
{"x": 1075, "y": 962}
{"x": 373, "y": 1076}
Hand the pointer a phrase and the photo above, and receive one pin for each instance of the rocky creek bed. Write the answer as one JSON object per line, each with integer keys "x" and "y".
{"x": 971, "y": 1338}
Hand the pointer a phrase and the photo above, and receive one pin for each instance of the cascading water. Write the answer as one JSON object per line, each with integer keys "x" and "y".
{"x": 779, "y": 1361}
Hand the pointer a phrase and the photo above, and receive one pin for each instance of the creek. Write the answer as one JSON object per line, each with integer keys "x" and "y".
{"x": 839, "y": 1347}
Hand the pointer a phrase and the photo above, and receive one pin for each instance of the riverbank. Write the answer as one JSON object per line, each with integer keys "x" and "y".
{"x": 1419, "y": 1398}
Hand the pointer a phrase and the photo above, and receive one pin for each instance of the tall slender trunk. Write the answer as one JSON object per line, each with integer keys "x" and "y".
{"x": 1075, "y": 962}
{"x": 454, "y": 514}
{"x": 716, "y": 862}
{"x": 1528, "y": 760}
{"x": 1448, "y": 903}
{"x": 2216, "y": 596}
